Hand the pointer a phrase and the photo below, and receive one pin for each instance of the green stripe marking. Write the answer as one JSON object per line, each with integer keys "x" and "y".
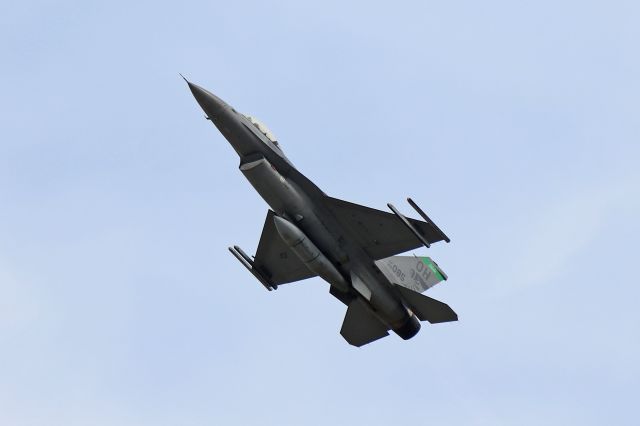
{"x": 433, "y": 267}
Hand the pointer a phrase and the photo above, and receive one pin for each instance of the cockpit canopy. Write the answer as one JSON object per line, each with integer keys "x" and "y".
{"x": 263, "y": 129}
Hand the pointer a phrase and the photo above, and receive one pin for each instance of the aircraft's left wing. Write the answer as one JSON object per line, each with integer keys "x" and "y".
{"x": 275, "y": 260}
{"x": 380, "y": 233}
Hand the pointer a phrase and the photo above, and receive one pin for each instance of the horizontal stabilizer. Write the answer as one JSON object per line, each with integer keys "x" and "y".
{"x": 360, "y": 325}
{"x": 426, "y": 308}
{"x": 412, "y": 272}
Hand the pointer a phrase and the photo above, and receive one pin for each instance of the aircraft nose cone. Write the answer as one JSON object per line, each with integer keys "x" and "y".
{"x": 227, "y": 120}
{"x": 210, "y": 103}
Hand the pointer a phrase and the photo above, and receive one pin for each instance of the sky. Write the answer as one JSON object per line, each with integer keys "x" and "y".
{"x": 513, "y": 124}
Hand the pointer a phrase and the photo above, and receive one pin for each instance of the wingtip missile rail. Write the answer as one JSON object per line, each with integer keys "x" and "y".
{"x": 247, "y": 262}
{"x": 427, "y": 219}
{"x": 408, "y": 224}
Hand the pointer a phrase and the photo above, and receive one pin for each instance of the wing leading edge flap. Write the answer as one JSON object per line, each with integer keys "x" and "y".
{"x": 380, "y": 232}
{"x": 360, "y": 325}
{"x": 274, "y": 258}
{"x": 426, "y": 308}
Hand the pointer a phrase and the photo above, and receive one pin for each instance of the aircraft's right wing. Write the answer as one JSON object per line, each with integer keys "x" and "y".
{"x": 380, "y": 233}
{"x": 275, "y": 260}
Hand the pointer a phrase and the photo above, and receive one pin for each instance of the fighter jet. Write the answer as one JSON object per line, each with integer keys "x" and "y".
{"x": 352, "y": 247}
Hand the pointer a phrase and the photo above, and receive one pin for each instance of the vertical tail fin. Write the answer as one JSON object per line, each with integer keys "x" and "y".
{"x": 415, "y": 273}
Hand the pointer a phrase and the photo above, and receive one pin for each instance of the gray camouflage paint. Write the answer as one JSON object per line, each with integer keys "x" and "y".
{"x": 294, "y": 198}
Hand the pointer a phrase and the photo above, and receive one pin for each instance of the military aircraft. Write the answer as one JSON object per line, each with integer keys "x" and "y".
{"x": 308, "y": 233}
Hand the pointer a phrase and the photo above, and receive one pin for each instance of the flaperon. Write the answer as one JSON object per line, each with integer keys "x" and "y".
{"x": 352, "y": 247}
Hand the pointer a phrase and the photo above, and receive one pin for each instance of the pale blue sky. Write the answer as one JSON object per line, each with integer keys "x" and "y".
{"x": 514, "y": 124}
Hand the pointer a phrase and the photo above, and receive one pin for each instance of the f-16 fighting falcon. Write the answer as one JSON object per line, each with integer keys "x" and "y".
{"x": 308, "y": 233}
